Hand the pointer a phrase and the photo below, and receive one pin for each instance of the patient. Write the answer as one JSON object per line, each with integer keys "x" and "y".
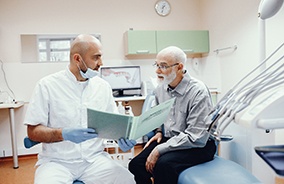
{"x": 57, "y": 117}
{"x": 184, "y": 141}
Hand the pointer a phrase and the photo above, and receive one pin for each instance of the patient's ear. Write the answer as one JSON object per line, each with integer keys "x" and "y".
{"x": 180, "y": 68}
{"x": 180, "y": 65}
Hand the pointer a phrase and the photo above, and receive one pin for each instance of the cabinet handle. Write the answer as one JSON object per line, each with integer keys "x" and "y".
{"x": 142, "y": 51}
{"x": 188, "y": 50}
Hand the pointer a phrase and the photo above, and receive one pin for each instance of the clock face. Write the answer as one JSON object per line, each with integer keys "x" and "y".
{"x": 163, "y": 8}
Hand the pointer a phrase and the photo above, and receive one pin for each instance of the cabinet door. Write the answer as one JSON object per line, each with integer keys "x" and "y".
{"x": 191, "y": 42}
{"x": 140, "y": 42}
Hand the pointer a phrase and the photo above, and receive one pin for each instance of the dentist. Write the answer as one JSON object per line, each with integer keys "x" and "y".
{"x": 57, "y": 117}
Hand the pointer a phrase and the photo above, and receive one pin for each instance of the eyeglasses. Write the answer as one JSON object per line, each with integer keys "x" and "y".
{"x": 163, "y": 66}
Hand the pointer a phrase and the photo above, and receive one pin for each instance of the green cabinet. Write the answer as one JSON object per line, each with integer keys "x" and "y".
{"x": 191, "y": 42}
{"x": 140, "y": 42}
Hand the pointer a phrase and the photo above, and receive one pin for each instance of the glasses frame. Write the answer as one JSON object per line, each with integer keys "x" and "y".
{"x": 164, "y": 67}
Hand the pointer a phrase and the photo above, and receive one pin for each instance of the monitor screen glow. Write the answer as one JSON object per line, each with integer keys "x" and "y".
{"x": 122, "y": 78}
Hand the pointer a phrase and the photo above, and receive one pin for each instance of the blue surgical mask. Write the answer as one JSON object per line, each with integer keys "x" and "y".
{"x": 89, "y": 73}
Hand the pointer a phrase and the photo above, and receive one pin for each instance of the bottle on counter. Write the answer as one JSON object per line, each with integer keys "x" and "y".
{"x": 121, "y": 108}
{"x": 128, "y": 109}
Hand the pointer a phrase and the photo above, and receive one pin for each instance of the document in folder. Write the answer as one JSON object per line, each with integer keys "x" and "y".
{"x": 115, "y": 126}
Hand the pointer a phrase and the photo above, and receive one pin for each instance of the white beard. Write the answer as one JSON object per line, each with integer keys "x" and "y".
{"x": 167, "y": 78}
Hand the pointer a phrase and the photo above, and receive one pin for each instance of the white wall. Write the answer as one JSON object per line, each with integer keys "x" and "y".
{"x": 109, "y": 18}
{"x": 231, "y": 23}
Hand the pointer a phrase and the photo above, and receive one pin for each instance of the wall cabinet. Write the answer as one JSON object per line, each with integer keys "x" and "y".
{"x": 195, "y": 42}
{"x": 140, "y": 42}
{"x": 191, "y": 42}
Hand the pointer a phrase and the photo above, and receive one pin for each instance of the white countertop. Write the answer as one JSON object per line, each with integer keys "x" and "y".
{"x": 12, "y": 105}
{"x": 130, "y": 98}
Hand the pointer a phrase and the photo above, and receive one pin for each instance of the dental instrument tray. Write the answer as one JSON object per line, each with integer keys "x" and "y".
{"x": 273, "y": 156}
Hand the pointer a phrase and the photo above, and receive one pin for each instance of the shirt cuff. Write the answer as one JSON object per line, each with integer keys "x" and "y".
{"x": 158, "y": 130}
{"x": 163, "y": 148}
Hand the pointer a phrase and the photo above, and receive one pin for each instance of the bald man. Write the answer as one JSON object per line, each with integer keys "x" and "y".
{"x": 57, "y": 117}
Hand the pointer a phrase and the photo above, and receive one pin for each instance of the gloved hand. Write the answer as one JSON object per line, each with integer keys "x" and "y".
{"x": 126, "y": 144}
{"x": 78, "y": 135}
{"x": 29, "y": 143}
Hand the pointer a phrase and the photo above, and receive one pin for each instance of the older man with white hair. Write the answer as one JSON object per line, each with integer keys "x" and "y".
{"x": 183, "y": 140}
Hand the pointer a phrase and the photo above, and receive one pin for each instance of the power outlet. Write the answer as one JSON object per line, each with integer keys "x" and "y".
{"x": 2, "y": 153}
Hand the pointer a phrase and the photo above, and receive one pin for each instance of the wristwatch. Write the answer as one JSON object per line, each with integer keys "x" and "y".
{"x": 158, "y": 130}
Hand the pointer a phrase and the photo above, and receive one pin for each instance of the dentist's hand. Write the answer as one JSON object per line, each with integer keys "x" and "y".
{"x": 126, "y": 144}
{"x": 78, "y": 135}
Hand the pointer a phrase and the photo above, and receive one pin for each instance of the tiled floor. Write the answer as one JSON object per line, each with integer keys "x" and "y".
{"x": 25, "y": 173}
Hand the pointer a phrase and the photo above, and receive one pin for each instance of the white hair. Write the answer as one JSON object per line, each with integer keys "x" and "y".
{"x": 175, "y": 53}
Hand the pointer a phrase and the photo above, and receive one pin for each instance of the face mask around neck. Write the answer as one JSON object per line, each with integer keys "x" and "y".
{"x": 89, "y": 73}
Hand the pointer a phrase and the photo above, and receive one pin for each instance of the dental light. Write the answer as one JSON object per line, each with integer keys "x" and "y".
{"x": 266, "y": 9}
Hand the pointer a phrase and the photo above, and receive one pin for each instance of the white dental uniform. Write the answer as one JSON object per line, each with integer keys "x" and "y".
{"x": 60, "y": 101}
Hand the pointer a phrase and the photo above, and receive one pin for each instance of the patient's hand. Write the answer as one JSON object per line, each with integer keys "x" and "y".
{"x": 157, "y": 137}
{"x": 152, "y": 159}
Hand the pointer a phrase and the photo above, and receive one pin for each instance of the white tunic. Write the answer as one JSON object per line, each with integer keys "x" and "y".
{"x": 60, "y": 101}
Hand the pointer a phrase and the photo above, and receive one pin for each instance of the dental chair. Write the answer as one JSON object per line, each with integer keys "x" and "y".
{"x": 219, "y": 170}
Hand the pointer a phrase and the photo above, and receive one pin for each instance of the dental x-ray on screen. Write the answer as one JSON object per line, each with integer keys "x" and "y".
{"x": 122, "y": 78}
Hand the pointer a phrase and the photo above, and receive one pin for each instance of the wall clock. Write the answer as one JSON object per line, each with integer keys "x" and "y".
{"x": 163, "y": 8}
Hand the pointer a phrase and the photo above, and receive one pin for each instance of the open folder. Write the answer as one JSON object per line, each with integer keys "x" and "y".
{"x": 114, "y": 126}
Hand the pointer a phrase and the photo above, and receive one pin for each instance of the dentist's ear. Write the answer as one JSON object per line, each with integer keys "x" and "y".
{"x": 77, "y": 58}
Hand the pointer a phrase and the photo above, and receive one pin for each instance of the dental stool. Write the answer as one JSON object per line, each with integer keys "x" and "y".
{"x": 219, "y": 171}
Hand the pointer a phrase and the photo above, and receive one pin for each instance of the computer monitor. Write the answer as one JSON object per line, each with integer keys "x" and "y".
{"x": 124, "y": 80}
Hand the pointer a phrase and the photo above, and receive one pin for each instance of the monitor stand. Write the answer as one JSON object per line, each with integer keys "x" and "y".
{"x": 120, "y": 93}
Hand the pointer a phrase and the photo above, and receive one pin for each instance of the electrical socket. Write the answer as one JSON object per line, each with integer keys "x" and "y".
{"x": 2, "y": 153}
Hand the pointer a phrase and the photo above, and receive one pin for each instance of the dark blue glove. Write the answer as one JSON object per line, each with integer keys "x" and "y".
{"x": 78, "y": 135}
{"x": 126, "y": 144}
{"x": 29, "y": 143}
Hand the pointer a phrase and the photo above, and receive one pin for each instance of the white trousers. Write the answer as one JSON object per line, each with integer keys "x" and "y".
{"x": 103, "y": 170}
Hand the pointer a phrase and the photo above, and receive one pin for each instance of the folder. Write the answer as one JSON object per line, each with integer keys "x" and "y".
{"x": 114, "y": 126}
